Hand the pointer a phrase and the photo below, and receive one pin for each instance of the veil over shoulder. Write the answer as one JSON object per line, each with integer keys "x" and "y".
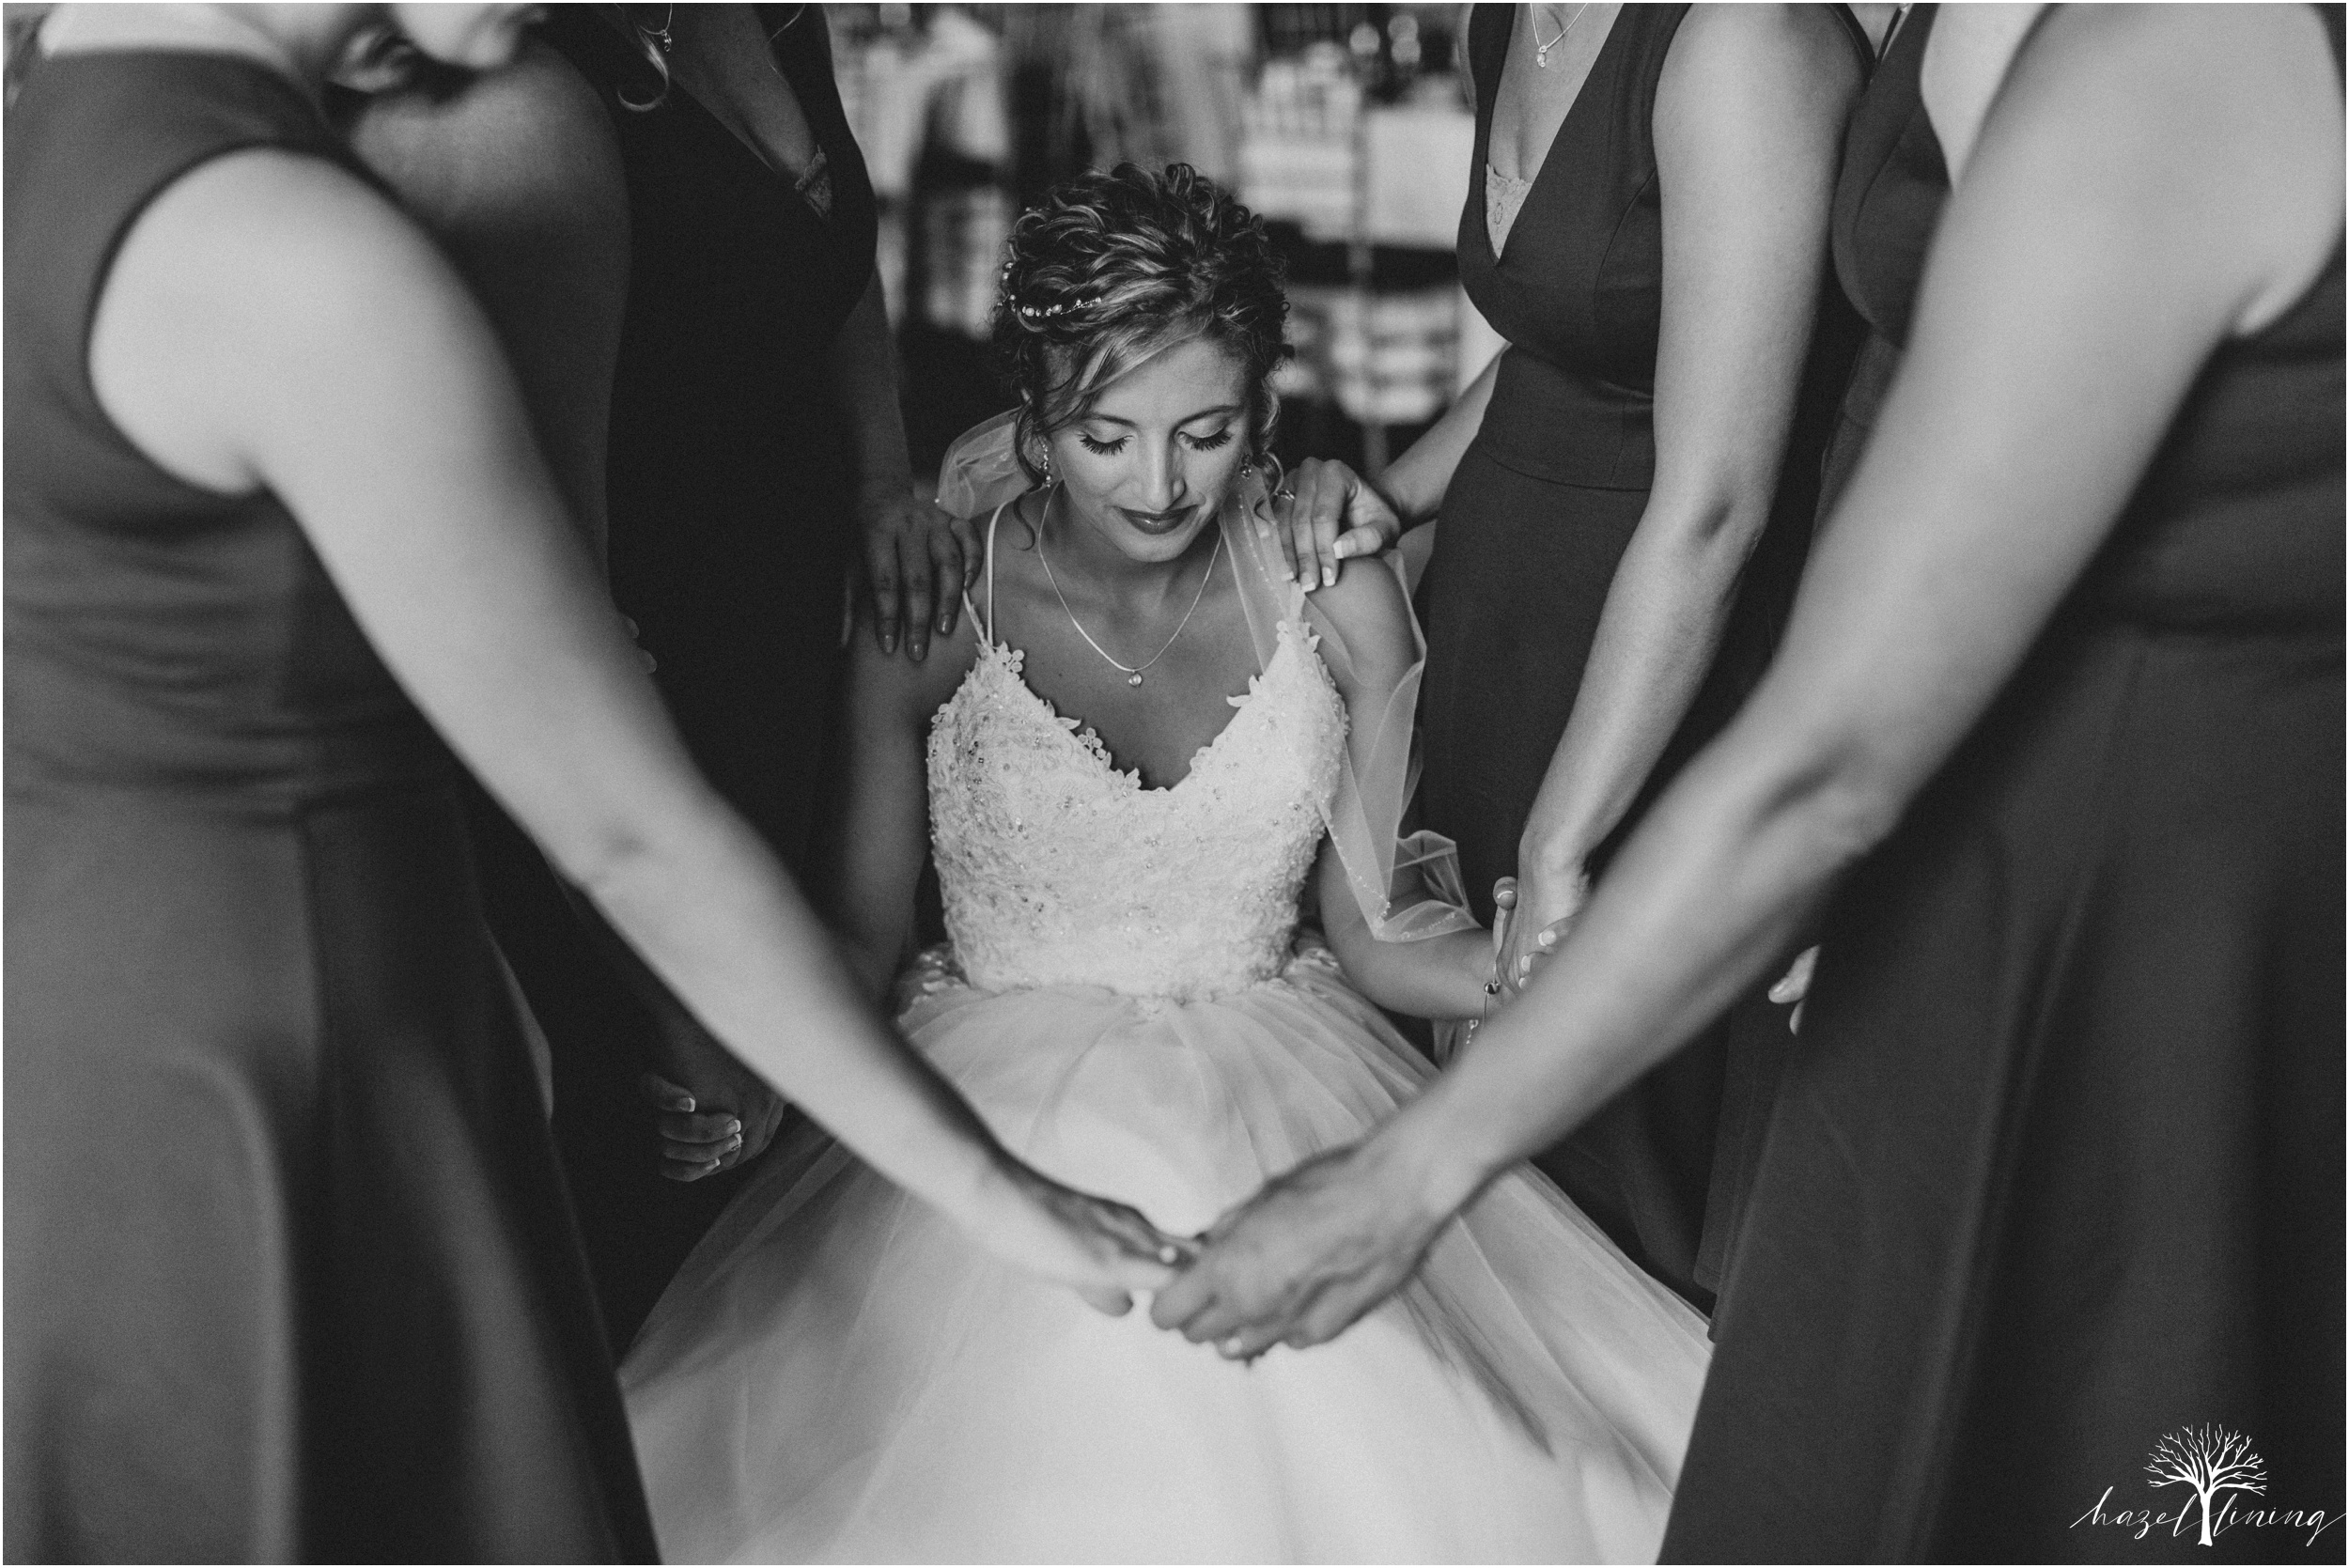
{"x": 1408, "y": 886}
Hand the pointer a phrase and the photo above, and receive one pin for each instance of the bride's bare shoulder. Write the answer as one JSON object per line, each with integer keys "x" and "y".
{"x": 1366, "y": 608}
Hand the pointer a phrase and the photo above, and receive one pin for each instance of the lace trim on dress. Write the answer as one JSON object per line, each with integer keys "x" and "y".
{"x": 1057, "y": 867}
{"x": 1505, "y": 198}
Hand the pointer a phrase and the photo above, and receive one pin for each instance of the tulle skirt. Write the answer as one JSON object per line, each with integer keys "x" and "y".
{"x": 838, "y": 1375}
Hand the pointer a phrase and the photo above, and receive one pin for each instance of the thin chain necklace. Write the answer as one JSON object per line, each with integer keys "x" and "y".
{"x": 1131, "y": 671}
{"x": 1541, "y": 50}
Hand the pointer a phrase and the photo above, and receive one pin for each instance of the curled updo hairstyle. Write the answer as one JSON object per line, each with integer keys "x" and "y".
{"x": 1114, "y": 268}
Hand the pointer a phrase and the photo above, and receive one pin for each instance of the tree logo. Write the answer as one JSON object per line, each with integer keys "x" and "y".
{"x": 2213, "y": 1461}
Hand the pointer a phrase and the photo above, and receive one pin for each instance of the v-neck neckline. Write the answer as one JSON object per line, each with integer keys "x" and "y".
{"x": 1088, "y": 740}
{"x": 1549, "y": 153}
{"x": 793, "y": 180}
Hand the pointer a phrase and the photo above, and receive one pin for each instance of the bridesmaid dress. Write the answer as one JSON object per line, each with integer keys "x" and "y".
{"x": 290, "y": 1273}
{"x": 1888, "y": 197}
{"x": 732, "y": 531}
{"x": 1538, "y": 513}
{"x": 2057, "y": 1166}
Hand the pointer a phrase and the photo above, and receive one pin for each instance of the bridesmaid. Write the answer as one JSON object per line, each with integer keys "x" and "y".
{"x": 270, "y": 505}
{"x": 1647, "y": 226}
{"x": 756, "y": 461}
{"x": 2057, "y": 1169}
{"x": 1888, "y": 197}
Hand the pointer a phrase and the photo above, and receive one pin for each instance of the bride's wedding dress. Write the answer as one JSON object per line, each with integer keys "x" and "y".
{"x": 838, "y": 1375}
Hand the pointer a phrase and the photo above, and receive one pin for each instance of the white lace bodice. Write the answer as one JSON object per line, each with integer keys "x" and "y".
{"x": 1057, "y": 869}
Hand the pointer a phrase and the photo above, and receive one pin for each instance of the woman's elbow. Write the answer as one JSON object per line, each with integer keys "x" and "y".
{"x": 1842, "y": 807}
{"x": 607, "y": 848}
{"x": 1714, "y": 534}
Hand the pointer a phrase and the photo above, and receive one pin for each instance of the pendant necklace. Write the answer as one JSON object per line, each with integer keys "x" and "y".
{"x": 664, "y": 34}
{"x": 1131, "y": 671}
{"x": 1541, "y": 50}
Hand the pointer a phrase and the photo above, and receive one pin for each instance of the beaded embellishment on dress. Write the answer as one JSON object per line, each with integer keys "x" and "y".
{"x": 1058, "y": 869}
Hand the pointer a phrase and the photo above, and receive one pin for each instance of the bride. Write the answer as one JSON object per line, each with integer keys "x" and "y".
{"x": 1129, "y": 1000}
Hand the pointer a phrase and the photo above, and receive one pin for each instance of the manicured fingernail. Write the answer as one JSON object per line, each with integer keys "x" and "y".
{"x": 683, "y": 1102}
{"x": 1328, "y": 576}
{"x": 731, "y": 1147}
{"x": 733, "y": 1126}
{"x": 945, "y": 626}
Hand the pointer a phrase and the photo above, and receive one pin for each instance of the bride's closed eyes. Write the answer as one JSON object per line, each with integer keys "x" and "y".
{"x": 1197, "y": 444}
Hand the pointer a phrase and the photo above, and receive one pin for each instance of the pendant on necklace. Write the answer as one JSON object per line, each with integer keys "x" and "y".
{"x": 1134, "y": 679}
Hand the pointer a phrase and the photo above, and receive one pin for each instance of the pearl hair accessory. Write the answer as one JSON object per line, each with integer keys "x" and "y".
{"x": 1040, "y": 312}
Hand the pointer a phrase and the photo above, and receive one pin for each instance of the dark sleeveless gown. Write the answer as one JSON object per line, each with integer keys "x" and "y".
{"x": 1888, "y": 197}
{"x": 2056, "y": 1168}
{"x": 290, "y": 1272}
{"x": 1538, "y": 513}
{"x": 731, "y": 539}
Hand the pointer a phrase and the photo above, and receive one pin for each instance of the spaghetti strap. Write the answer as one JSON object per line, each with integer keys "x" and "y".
{"x": 987, "y": 624}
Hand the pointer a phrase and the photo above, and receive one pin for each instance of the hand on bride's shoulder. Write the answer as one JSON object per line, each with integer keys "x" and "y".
{"x": 886, "y": 680}
{"x": 1325, "y": 514}
{"x": 915, "y": 561}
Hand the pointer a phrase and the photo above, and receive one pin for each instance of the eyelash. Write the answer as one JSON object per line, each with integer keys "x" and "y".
{"x": 1110, "y": 448}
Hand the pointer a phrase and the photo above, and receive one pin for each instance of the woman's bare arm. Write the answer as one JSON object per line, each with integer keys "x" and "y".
{"x": 1337, "y": 514}
{"x": 2099, "y": 253}
{"x": 1748, "y": 126}
{"x": 1439, "y": 977}
{"x": 2151, "y": 182}
{"x": 880, "y": 835}
{"x": 271, "y": 321}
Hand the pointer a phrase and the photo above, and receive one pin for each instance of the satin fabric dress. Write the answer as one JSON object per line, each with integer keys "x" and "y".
{"x": 290, "y": 1270}
{"x": 1539, "y": 511}
{"x": 2055, "y": 1168}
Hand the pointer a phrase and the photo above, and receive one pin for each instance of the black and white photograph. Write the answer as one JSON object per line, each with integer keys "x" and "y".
{"x": 1174, "y": 783}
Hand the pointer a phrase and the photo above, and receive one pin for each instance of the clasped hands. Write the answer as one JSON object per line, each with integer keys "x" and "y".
{"x": 1320, "y": 1245}
{"x": 1314, "y": 1250}
{"x": 1297, "y": 1265}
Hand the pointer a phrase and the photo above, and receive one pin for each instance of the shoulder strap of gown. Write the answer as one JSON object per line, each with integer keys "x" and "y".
{"x": 986, "y": 623}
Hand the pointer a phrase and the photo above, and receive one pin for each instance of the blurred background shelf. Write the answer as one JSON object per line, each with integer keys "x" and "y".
{"x": 1346, "y": 126}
